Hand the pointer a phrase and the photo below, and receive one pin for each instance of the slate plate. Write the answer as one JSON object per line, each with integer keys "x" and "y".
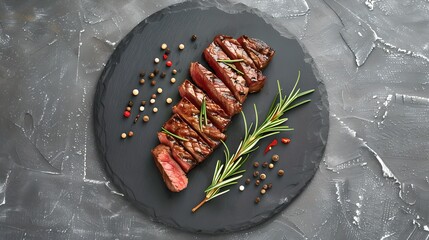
{"x": 129, "y": 162}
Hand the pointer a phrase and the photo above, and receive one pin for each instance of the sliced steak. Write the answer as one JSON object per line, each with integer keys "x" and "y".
{"x": 254, "y": 78}
{"x": 215, "y": 88}
{"x": 182, "y": 157}
{"x": 232, "y": 79}
{"x": 188, "y": 112}
{"x": 258, "y": 50}
{"x": 194, "y": 144}
{"x": 173, "y": 176}
{"x": 214, "y": 112}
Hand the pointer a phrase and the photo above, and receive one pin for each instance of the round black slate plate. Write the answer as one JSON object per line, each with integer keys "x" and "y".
{"x": 129, "y": 162}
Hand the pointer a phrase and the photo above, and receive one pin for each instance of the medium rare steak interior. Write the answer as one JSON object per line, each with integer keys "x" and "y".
{"x": 186, "y": 140}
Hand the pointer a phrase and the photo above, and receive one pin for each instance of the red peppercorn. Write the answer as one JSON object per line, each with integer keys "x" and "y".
{"x": 169, "y": 64}
{"x": 285, "y": 140}
{"x": 165, "y": 56}
{"x": 127, "y": 114}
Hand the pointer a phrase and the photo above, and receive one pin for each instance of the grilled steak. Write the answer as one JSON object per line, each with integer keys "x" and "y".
{"x": 258, "y": 50}
{"x": 188, "y": 112}
{"x": 172, "y": 174}
{"x": 180, "y": 155}
{"x": 194, "y": 144}
{"x": 214, "y": 112}
{"x": 235, "y": 82}
{"x": 254, "y": 78}
{"x": 215, "y": 88}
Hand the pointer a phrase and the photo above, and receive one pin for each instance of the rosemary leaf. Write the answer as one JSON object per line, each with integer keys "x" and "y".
{"x": 173, "y": 135}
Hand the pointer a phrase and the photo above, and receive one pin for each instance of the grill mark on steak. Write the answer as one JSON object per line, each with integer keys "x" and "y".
{"x": 235, "y": 82}
{"x": 174, "y": 177}
{"x": 254, "y": 78}
{"x": 258, "y": 50}
{"x": 180, "y": 155}
{"x": 214, "y": 112}
{"x": 190, "y": 114}
{"x": 215, "y": 88}
{"x": 195, "y": 145}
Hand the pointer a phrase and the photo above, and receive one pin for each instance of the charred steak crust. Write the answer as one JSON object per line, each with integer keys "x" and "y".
{"x": 215, "y": 88}
{"x": 190, "y": 114}
{"x": 235, "y": 82}
{"x": 180, "y": 155}
{"x": 254, "y": 78}
{"x": 214, "y": 112}
{"x": 258, "y": 50}
{"x": 174, "y": 177}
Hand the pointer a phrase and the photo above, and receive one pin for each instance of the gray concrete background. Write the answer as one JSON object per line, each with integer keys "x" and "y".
{"x": 373, "y": 183}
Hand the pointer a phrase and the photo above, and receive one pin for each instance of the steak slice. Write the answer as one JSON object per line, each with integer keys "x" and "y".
{"x": 182, "y": 157}
{"x": 194, "y": 144}
{"x": 235, "y": 82}
{"x": 214, "y": 112}
{"x": 188, "y": 112}
{"x": 254, "y": 78}
{"x": 215, "y": 88}
{"x": 258, "y": 50}
{"x": 172, "y": 174}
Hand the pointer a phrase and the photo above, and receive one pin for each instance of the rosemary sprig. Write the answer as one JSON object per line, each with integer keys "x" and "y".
{"x": 203, "y": 114}
{"x": 227, "y": 174}
{"x": 173, "y": 135}
{"x": 229, "y": 62}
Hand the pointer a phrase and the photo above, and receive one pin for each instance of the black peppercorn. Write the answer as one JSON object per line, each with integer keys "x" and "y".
{"x": 257, "y": 182}
{"x": 130, "y": 103}
{"x": 153, "y": 83}
{"x": 143, "y": 103}
{"x": 265, "y": 164}
{"x": 257, "y": 200}
{"x": 255, "y": 173}
{"x": 142, "y": 73}
{"x": 270, "y": 185}
{"x": 156, "y": 71}
{"x": 151, "y": 75}
{"x": 167, "y": 51}
{"x": 255, "y": 164}
{"x": 247, "y": 181}
{"x": 163, "y": 74}
{"x": 194, "y": 37}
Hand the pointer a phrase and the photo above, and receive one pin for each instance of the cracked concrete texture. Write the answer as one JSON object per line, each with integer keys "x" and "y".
{"x": 372, "y": 184}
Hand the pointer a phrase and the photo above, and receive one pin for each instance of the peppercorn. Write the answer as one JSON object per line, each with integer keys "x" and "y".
{"x": 163, "y": 46}
{"x": 174, "y": 71}
{"x": 153, "y": 95}
{"x": 247, "y": 181}
{"x": 159, "y": 90}
{"x": 265, "y": 186}
{"x": 153, "y": 83}
{"x": 127, "y": 114}
{"x": 257, "y": 200}
{"x": 194, "y": 37}
{"x": 152, "y": 101}
{"x": 181, "y": 46}
{"x": 143, "y": 103}
{"x": 241, "y": 188}
{"x": 136, "y": 118}
{"x": 168, "y": 64}
{"x": 128, "y": 109}
{"x": 135, "y": 92}
{"x": 281, "y": 172}
{"x": 169, "y": 100}
{"x": 141, "y": 81}
{"x": 165, "y": 56}
{"x": 256, "y": 164}
{"x": 156, "y": 60}
{"x": 271, "y": 166}
{"x": 163, "y": 74}
{"x": 167, "y": 51}
{"x": 123, "y": 135}
{"x": 130, "y": 134}
{"x": 263, "y": 191}
{"x": 172, "y": 80}
{"x": 145, "y": 118}
{"x": 255, "y": 173}
{"x": 155, "y": 110}
{"x": 142, "y": 73}
{"x": 257, "y": 182}
{"x": 275, "y": 158}
{"x": 263, "y": 176}
{"x": 264, "y": 164}
{"x": 270, "y": 185}
{"x": 141, "y": 108}
{"x": 285, "y": 140}
{"x": 151, "y": 75}
{"x": 156, "y": 71}
{"x": 130, "y": 103}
